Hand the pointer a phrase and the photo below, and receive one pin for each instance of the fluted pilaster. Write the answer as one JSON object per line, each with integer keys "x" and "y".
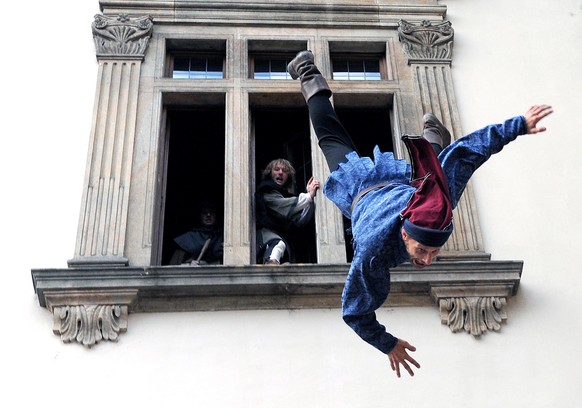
{"x": 121, "y": 44}
{"x": 428, "y": 48}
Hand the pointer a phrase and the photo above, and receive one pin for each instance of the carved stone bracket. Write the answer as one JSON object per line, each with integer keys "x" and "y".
{"x": 122, "y": 37}
{"x": 87, "y": 317}
{"x": 426, "y": 41}
{"x": 474, "y": 309}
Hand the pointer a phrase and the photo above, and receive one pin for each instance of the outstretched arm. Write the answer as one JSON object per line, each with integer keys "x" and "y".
{"x": 464, "y": 156}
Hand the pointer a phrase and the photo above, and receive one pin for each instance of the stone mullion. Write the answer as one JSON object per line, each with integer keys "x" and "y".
{"x": 330, "y": 241}
{"x": 237, "y": 180}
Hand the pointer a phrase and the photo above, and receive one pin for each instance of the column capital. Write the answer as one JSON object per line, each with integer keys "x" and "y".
{"x": 426, "y": 42}
{"x": 121, "y": 36}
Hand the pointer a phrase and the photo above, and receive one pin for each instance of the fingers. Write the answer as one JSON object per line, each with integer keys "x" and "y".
{"x": 533, "y": 115}
{"x": 400, "y": 356}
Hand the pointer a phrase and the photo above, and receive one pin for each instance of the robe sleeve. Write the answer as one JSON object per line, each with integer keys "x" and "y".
{"x": 464, "y": 156}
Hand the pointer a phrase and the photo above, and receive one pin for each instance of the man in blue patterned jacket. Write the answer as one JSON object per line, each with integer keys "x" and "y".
{"x": 400, "y": 212}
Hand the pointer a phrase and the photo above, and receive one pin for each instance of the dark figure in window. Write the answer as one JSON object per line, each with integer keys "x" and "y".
{"x": 202, "y": 244}
{"x": 280, "y": 213}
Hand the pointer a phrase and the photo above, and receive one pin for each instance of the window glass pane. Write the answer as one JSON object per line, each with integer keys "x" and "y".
{"x": 278, "y": 65}
{"x": 270, "y": 68}
{"x": 340, "y": 65}
{"x": 197, "y": 67}
{"x": 372, "y": 65}
{"x": 214, "y": 75}
{"x": 181, "y": 67}
{"x": 355, "y": 66}
{"x": 356, "y": 69}
{"x": 215, "y": 68}
{"x": 279, "y": 75}
{"x": 262, "y": 75}
{"x": 261, "y": 66}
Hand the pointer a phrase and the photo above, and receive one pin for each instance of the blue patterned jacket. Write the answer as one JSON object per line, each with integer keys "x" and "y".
{"x": 376, "y": 221}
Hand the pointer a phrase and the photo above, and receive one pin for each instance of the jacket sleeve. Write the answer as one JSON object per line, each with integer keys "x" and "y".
{"x": 464, "y": 156}
{"x": 366, "y": 289}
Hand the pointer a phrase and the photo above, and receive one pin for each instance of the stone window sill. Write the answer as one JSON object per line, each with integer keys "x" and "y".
{"x": 471, "y": 295}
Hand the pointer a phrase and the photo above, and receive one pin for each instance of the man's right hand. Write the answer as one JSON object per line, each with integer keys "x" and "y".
{"x": 534, "y": 115}
{"x": 399, "y": 355}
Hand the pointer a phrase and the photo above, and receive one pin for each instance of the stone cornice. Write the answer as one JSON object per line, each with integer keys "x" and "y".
{"x": 276, "y": 13}
{"x": 92, "y": 304}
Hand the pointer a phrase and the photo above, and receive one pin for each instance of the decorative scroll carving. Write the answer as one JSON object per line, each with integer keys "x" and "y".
{"x": 89, "y": 316}
{"x": 475, "y": 315}
{"x": 89, "y": 324}
{"x": 427, "y": 41}
{"x": 122, "y": 36}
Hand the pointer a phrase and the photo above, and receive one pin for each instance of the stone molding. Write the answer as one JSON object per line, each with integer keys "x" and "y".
{"x": 121, "y": 36}
{"x": 360, "y": 14}
{"x": 92, "y": 304}
{"x": 426, "y": 41}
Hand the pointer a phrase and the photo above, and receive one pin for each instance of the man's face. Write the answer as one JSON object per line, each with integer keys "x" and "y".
{"x": 279, "y": 174}
{"x": 420, "y": 255}
{"x": 207, "y": 217}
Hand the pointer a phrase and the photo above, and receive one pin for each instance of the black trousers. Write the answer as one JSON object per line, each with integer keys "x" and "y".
{"x": 334, "y": 140}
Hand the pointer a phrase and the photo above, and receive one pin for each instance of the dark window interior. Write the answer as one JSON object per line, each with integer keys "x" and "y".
{"x": 195, "y": 170}
{"x": 284, "y": 133}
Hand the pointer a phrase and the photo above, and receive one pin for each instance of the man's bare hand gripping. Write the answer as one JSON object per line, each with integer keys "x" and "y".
{"x": 399, "y": 355}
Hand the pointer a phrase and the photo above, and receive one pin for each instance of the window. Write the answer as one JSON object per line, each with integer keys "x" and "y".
{"x": 197, "y": 67}
{"x": 270, "y": 68}
{"x": 356, "y": 69}
{"x": 195, "y": 59}
{"x": 358, "y": 61}
{"x": 194, "y": 167}
{"x": 268, "y": 59}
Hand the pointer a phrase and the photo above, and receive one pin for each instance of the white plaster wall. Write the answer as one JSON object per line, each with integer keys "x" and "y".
{"x": 507, "y": 56}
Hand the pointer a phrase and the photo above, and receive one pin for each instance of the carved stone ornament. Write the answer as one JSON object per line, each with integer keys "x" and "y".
{"x": 475, "y": 309}
{"x": 426, "y": 41}
{"x": 88, "y": 317}
{"x": 475, "y": 315}
{"x": 122, "y": 37}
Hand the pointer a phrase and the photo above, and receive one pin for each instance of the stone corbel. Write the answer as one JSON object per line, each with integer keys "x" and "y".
{"x": 90, "y": 316}
{"x": 476, "y": 309}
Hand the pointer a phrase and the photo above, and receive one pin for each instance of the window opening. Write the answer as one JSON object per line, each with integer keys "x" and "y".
{"x": 284, "y": 133}
{"x": 271, "y": 68}
{"x": 356, "y": 69}
{"x": 195, "y": 171}
{"x": 197, "y": 67}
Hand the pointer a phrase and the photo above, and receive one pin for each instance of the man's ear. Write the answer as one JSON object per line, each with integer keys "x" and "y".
{"x": 404, "y": 234}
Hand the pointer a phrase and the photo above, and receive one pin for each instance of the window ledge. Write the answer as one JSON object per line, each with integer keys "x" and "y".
{"x": 471, "y": 295}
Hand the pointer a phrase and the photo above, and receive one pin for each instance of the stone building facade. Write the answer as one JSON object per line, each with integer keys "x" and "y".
{"x": 193, "y": 100}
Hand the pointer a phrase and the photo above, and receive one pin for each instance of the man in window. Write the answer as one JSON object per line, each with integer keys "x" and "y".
{"x": 203, "y": 244}
{"x": 280, "y": 213}
{"x": 400, "y": 212}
